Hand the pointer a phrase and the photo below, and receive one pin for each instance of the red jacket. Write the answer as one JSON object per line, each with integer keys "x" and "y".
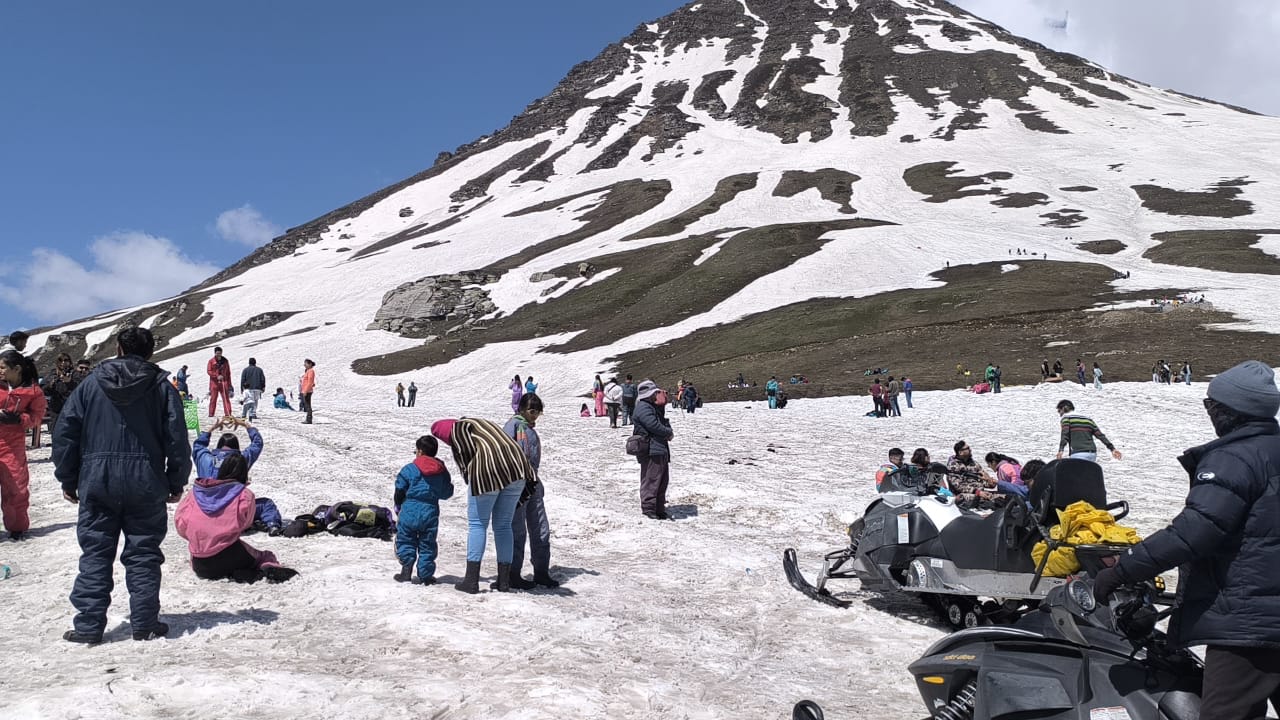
{"x": 29, "y": 403}
{"x": 219, "y": 370}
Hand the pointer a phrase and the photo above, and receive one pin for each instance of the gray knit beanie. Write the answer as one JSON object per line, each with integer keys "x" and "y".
{"x": 1248, "y": 388}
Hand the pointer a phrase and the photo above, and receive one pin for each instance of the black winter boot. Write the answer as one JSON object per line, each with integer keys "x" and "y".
{"x": 517, "y": 582}
{"x": 503, "y": 583}
{"x": 405, "y": 574}
{"x": 470, "y": 584}
{"x": 545, "y": 580}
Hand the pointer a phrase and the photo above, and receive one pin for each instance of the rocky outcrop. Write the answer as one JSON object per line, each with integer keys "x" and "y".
{"x": 416, "y": 309}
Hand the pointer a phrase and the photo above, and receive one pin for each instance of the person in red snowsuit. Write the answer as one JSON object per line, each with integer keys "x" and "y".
{"x": 22, "y": 407}
{"x": 219, "y": 383}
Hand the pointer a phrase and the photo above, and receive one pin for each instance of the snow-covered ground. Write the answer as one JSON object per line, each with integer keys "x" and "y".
{"x": 684, "y": 619}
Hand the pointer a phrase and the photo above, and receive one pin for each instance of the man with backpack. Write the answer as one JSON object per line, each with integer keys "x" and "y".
{"x": 628, "y": 400}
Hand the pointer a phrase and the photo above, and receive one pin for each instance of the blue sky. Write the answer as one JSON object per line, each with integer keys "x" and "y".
{"x": 129, "y": 129}
{"x": 186, "y": 134}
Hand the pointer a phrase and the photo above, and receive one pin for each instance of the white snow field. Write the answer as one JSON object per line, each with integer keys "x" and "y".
{"x": 691, "y": 618}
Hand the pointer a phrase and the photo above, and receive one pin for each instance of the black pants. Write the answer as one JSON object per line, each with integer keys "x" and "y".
{"x": 400, "y": 400}
{"x": 655, "y": 473}
{"x": 233, "y": 562}
{"x": 304, "y": 404}
{"x": 611, "y": 409}
{"x": 103, "y": 519}
{"x": 413, "y": 397}
{"x": 1239, "y": 681}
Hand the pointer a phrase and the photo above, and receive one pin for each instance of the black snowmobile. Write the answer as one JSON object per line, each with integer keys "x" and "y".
{"x": 970, "y": 567}
{"x": 1071, "y": 659}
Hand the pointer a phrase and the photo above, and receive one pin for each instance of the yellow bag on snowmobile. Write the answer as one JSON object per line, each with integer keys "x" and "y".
{"x": 1080, "y": 524}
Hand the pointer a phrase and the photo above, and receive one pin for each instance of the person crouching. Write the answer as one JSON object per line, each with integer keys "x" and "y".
{"x": 420, "y": 487}
{"x": 211, "y": 519}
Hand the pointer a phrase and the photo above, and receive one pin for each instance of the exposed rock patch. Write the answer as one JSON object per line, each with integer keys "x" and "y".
{"x": 1221, "y": 200}
{"x": 726, "y": 190}
{"x": 835, "y": 186}
{"x": 1230, "y": 251}
{"x": 478, "y": 186}
{"x": 416, "y": 307}
{"x": 1102, "y": 247}
{"x": 940, "y": 182}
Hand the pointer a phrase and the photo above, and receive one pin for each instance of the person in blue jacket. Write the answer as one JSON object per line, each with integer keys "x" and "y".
{"x": 420, "y": 487}
{"x": 1225, "y": 544}
{"x": 771, "y": 389}
{"x": 120, "y": 452}
{"x": 266, "y": 516}
{"x": 530, "y": 522}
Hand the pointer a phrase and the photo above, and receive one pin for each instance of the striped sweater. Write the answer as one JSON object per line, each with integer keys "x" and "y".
{"x": 487, "y": 457}
{"x": 1078, "y": 433}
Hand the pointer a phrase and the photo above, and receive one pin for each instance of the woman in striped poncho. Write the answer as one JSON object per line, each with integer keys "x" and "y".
{"x": 497, "y": 472}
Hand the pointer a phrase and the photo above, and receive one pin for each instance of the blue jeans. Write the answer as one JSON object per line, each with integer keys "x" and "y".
{"x": 908, "y": 394}
{"x": 500, "y": 506}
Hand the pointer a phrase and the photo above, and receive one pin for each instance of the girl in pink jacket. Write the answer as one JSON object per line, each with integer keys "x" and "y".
{"x": 211, "y": 518}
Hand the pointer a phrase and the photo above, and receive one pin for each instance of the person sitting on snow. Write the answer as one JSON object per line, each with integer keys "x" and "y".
{"x": 211, "y": 518}
{"x": 208, "y": 462}
{"x": 281, "y": 402}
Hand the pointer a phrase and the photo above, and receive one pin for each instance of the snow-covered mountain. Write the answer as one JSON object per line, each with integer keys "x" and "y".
{"x": 778, "y": 186}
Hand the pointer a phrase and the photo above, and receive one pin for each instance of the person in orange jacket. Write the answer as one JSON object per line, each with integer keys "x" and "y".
{"x": 219, "y": 370}
{"x": 22, "y": 407}
{"x": 306, "y": 387}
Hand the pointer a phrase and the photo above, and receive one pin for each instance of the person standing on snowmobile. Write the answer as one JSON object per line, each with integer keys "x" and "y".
{"x": 1224, "y": 542}
{"x": 1078, "y": 433}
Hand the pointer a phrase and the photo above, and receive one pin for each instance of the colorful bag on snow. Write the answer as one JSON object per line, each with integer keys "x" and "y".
{"x": 191, "y": 411}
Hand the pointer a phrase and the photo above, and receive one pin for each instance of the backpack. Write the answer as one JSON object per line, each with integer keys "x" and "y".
{"x": 358, "y": 520}
{"x": 303, "y": 525}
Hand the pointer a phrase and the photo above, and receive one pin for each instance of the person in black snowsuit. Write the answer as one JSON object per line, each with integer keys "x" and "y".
{"x": 1226, "y": 542}
{"x": 120, "y": 452}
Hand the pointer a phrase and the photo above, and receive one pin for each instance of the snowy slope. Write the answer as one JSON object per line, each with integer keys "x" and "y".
{"x": 691, "y": 618}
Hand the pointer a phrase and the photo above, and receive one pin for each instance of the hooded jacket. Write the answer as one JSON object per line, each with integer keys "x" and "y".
{"x": 28, "y": 403}
{"x": 1226, "y": 542}
{"x": 651, "y": 420}
{"x": 122, "y": 434}
{"x": 213, "y": 515}
{"x": 425, "y": 480}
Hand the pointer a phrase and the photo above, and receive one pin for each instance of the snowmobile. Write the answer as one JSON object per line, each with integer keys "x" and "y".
{"x": 970, "y": 567}
{"x": 1072, "y": 658}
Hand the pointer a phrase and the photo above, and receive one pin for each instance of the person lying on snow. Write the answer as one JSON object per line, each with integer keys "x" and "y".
{"x": 211, "y": 519}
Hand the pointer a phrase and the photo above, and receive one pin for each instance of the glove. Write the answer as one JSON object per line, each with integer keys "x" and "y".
{"x": 1106, "y": 583}
{"x": 9, "y": 418}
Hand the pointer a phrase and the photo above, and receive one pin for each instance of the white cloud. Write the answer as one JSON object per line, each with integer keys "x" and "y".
{"x": 129, "y": 268}
{"x": 245, "y": 225}
{"x": 1224, "y": 51}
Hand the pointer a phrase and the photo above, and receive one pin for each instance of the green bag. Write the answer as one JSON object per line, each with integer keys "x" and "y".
{"x": 191, "y": 409}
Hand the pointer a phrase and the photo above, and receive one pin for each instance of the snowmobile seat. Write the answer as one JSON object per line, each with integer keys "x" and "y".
{"x": 997, "y": 541}
{"x": 1063, "y": 482}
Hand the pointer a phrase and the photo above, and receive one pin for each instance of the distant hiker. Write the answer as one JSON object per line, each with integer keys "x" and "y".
{"x": 181, "y": 377}
{"x": 1078, "y": 433}
{"x": 496, "y": 471}
{"x": 995, "y": 379}
{"x": 906, "y": 390}
{"x": 1044, "y": 369}
{"x": 1097, "y": 377}
{"x": 219, "y": 371}
{"x": 253, "y": 383}
{"x": 891, "y": 397}
{"x": 58, "y": 385}
{"x": 990, "y": 375}
{"x": 420, "y": 486}
{"x": 741, "y": 381}
{"x": 211, "y": 518}
{"x": 281, "y": 401}
{"x": 517, "y": 390}
{"x": 628, "y": 399}
{"x": 597, "y": 392}
{"x": 306, "y": 388}
{"x": 1155, "y": 372}
{"x": 1080, "y": 372}
{"x": 612, "y": 401}
{"x": 413, "y": 393}
{"x": 1185, "y": 372}
{"x": 1166, "y": 373}
{"x": 121, "y": 452}
{"x": 877, "y": 398}
{"x": 690, "y": 398}
{"x": 400, "y": 401}
{"x": 22, "y": 407}
{"x": 1057, "y": 367}
{"x": 585, "y": 411}
{"x": 530, "y": 522}
{"x": 529, "y": 385}
{"x": 771, "y": 391}
{"x": 655, "y": 466}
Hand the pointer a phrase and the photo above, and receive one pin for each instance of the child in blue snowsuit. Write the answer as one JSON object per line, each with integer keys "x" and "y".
{"x": 420, "y": 487}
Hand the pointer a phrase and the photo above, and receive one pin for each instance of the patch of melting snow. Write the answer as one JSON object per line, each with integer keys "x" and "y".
{"x": 1009, "y": 268}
